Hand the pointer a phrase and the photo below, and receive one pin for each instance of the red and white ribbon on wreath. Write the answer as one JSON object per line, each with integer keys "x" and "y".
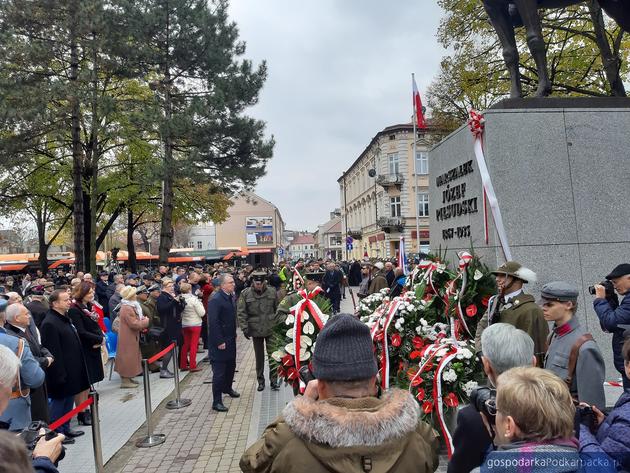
{"x": 376, "y": 316}
{"x": 298, "y": 310}
{"x": 476, "y": 124}
{"x": 428, "y": 267}
{"x": 464, "y": 260}
{"x": 386, "y": 319}
{"x": 431, "y": 352}
{"x": 297, "y": 280}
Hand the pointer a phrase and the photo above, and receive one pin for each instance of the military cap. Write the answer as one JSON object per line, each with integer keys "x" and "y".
{"x": 154, "y": 287}
{"x": 559, "y": 291}
{"x": 142, "y": 290}
{"x": 621, "y": 270}
{"x": 379, "y": 265}
{"x": 516, "y": 270}
{"x": 315, "y": 276}
{"x": 259, "y": 276}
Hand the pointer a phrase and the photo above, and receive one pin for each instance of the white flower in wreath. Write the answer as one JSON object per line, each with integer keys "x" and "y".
{"x": 277, "y": 355}
{"x": 440, "y": 268}
{"x": 423, "y": 322}
{"x": 305, "y": 341}
{"x": 478, "y": 275}
{"x": 290, "y": 320}
{"x": 305, "y": 355}
{"x": 290, "y": 333}
{"x": 470, "y": 386}
{"x": 449, "y": 376}
{"x": 419, "y": 330}
{"x": 290, "y": 349}
{"x": 467, "y": 354}
{"x": 397, "y": 326}
{"x": 441, "y": 352}
{"x": 305, "y": 316}
{"x": 309, "y": 328}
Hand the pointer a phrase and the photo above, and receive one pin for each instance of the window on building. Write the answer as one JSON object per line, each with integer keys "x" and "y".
{"x": 394, "y": 163}
{"x": 200, "y": 245}
{"x": 394, "y": 206}
{"x": 423, "y": 204}
{"x": 422, "y": 162}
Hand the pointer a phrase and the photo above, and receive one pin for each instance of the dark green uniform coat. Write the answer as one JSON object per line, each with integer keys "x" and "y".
{"x": 344, "y": 435}
{"x": 522, "y": 312}
{"x": 256, "y": 312}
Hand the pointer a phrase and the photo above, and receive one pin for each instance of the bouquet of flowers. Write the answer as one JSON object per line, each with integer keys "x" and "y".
{"x": 369, "y": 304}
{"x": 294, "y": 338}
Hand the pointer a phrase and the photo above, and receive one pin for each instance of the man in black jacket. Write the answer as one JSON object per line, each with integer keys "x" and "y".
{"x": 222, "y": 341}
{"x": 331, "y": 283}
{"x": 504, "y": 347}
{"x": 170, "y": 308}
{"x": 18, "y": 320}
{"x": 68, "y": 375}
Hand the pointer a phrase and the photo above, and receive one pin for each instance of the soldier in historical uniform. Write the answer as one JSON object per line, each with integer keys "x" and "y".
{"x": 150, "y": 343}
{"x": 256, "y": 312}
{"x": 573, "y": 355}
{"x": 513, "y": 306}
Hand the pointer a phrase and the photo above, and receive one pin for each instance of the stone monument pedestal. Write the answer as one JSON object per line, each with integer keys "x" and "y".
{"x": 561, "y": 172}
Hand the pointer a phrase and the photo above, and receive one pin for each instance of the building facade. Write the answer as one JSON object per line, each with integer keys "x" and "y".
{"x": 203, "y": 236}
{"x": 381, "y": 195}
{"x": 302, "y": 246}
{"x": 328, "y": 238}
{"x": 254, "y": 227}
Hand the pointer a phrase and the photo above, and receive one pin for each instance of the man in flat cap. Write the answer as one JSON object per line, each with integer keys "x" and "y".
{"x": 616, "y": 319}
{"x": 573, "y": 355}
{"x": 311, "y": 281}
{"x": 342, "y": 423}
{"x": 256, "y": 312}
{"x": 513, "y": 306}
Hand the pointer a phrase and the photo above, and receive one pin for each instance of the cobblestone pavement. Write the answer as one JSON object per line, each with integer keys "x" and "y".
{"x": 199, "y": 439}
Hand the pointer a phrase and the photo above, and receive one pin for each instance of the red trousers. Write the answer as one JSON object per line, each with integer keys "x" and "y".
{"x": 191, "y": 340}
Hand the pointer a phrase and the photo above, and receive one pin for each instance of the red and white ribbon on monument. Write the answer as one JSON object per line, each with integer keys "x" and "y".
{"x": 428, "y": 267}
{"x": 464, "y": 260}
{"x": 476, "y": 125}
{"x": 298, "y": 310}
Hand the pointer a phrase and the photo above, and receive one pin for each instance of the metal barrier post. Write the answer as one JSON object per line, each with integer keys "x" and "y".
{"x": 151, "y": 440}
{"x": 96, "y": 433}
{"x": 177, "y": 403}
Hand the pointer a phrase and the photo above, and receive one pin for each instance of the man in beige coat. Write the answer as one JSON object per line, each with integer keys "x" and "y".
{"x": 341, "y": 424}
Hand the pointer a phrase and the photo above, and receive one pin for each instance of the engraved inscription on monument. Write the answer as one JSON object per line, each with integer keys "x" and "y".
{"x": 456, "y": 200}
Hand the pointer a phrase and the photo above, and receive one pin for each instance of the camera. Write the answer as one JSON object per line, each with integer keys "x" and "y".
{"x": 31, "y": 435}
{"x": 610, "y": 289}
{"x": 483, "y": 397}
{"x": 306, "y": 375}
{"x": 586, "y": 416}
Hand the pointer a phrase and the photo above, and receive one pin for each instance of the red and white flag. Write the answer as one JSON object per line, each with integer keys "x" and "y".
{"x": 417, "y": 104}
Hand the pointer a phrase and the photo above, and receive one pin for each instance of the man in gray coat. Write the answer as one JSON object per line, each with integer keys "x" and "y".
{"x": 573, "y": 355}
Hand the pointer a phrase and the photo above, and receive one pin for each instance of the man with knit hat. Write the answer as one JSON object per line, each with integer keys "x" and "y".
{"x": 341, "y": 424}
{"x": 515, "y": 307}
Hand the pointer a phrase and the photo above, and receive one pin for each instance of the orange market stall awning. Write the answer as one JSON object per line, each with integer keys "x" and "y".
{"x": 12, "y": 267}
{"x": 236, "y": 254}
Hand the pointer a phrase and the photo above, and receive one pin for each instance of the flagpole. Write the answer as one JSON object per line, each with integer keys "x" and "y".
{"x": 415, "y": 170}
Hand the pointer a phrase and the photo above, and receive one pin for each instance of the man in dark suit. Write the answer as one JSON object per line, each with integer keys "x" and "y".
{"x": 222, "y": 341}
{"x": 504, "y": 347}
{"x": 18, "y": 320}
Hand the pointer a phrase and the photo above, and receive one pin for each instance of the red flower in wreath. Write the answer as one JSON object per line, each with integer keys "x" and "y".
{"x": 396, "y": 340}
{"x": 451, "y": 400}
{"x": 427, "y": 407}
{"x": 292, "y": 374}
{"x": 281, "y": 372}
{"x": 471, "y": 310}
{"x": 417, "y": 342}
{"x": 379, "y": 336}
{"x": 427, "y": 367}
{"x": 485, "y": 300}
{"x": 421, "y": 394}
{"x": 416, "y": 381}
{"x": 287, "y": 360}
{"x": 414, "y": 355}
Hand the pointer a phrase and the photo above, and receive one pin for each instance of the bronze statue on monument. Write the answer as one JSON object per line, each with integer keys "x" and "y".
{"x": 505, "y": 15}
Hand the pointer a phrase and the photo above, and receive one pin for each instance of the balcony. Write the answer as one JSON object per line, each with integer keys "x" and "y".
{"x": 391, "y": 224}
{"x": 390, "y": 180}
{"x": 355, "y": 233}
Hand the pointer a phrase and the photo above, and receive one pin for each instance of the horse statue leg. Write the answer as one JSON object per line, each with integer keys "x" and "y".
{"x": 499, "y": 15}
{"x": 529, "y": 13}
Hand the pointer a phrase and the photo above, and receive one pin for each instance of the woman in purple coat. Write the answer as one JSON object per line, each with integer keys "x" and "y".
{"x": 612, "y": 434}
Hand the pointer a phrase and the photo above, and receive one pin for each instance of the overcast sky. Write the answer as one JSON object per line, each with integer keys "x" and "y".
{"x": 339, "y": 72}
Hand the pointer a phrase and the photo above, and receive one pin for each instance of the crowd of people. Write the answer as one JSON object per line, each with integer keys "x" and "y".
{"x": 545, "y": 393}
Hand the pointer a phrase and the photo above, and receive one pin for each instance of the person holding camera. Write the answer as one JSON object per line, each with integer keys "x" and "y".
{"x": 573, "y": 355}
{"x": 613, "y": 318}
{"x": 504, "y": 347}
{"x": 609, "y": 434}
{"x": 256, "y": 312}
{"x": 342, "y": 423}
{"x": 534, "y": 415}
{"x": 13, "y": 450}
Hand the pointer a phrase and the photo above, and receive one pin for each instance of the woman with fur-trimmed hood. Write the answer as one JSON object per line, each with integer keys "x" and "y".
{"x": 341, "y": 424}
